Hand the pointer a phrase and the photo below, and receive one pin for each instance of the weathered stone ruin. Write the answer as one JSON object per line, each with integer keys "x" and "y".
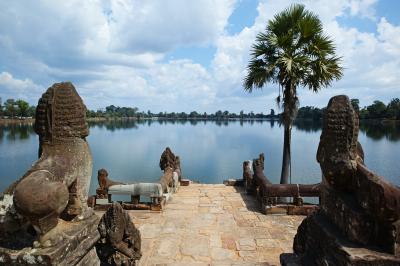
{"x": 167, "y": 159}
{"x": 359, "y": 218}
{"x": 171, "y": 165}
{"x": 104, "y": 184}
{"x": 158, "y": 192}
{"x": 45, "y": 220}
{"x": 120, "y": 241}
{"x": 248, "y": 176}
{"x": 269, "y": 195}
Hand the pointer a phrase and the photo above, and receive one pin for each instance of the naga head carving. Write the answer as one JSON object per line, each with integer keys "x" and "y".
{"x": 61, "y": 114}
{"x": 338, "y": 150}
{"x": 168, "y": 159}
{"x": 259, "y": 162}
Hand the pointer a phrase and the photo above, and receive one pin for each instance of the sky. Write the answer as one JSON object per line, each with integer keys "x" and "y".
{"x": 184, "y": 55}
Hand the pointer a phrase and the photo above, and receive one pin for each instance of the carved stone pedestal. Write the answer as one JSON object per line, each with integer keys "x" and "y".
{"x": 321, "y": 243}
{"x": 76, "y": 248}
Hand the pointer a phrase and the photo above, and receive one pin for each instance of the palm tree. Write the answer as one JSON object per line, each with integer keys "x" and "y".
{"x": 292, "y": 52}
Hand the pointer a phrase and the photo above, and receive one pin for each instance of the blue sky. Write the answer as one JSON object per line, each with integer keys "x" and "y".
{"x": 181, "y": 55}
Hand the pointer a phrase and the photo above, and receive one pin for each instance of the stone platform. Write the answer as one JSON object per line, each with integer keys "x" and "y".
{"x": 207, "y": 224}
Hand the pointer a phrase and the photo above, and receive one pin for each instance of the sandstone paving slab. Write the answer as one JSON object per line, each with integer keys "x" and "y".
{"x": 216, "y": 210}
{"x": 228, "y": 241}
{"x": 196, "y": 246}
{"x": 181, "y": 206}
{"x": 226, "y": 221}
{"x": 177, "y": 214}
{"x": 188, "y": 264}
{"x": 260, "y": 232}
{"x": 210, "y": 205}
{"x": 238, "y": 204}
{"x": 150, "y": 230}
{"x": 245, "y": 223}
{"x": 205, "y": 200}
{"x": 166, "y": 249}
{"x": 252, "y": 264}
{"x": 270, "y": 255}
{"x": 204, "y": 209}
{"x": 218, "y": 198}
{"x": 215, "y": 240}
{"x": 249, "y": 255}
{"x": 266, "y": 242}
{"x": 223, "y": 254}
{"x": 186, "y": 200}
{"x": 201, "y": 220}
{"x": 171, "y": 227}
{"x": 207, "y": 224}
{"x": 243, "y": 232}
{"x": 246, "y": 244}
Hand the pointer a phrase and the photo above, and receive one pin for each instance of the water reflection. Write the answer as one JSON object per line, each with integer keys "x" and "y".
{"x": 13, "y": 132}
{"x": 375, "y": 130}
{"x": 113, "y": 125}
{"x": 308, "y": 125}
{"x": 211, "y": 151}
{"x": 133, "y": 123}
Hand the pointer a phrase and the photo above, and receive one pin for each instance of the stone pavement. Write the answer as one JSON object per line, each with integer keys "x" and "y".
{"x": 207, "y": 224}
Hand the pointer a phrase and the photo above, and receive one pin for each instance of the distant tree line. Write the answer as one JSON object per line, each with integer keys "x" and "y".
{"x": 19, "y": 108}
{"x": 310, "y": 112}
{"x": 115, "y": 112}
{"x": 377, "y": 110}
{"x": 16, "y": 108}
{"x": 119, "y": 112}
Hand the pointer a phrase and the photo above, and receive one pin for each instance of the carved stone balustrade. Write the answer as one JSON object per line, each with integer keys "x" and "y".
{"x": 269, "y": 194}
{"x": 158, "y": 192}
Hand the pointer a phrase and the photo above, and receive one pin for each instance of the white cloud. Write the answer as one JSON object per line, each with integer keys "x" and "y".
{"x": 114, "y": 52}
{"x": 161, "y": 26}
{"x": 174, "y": 86}
{"x": 9, "y": 82}
{"x": 364, "y": 8}
{"x": 371, "y": 60}
{"x": 13, "y": 87}
{"x": 90, "y": 30}
{"x": 389, "y": 35}
{"x": 112, "y": 49}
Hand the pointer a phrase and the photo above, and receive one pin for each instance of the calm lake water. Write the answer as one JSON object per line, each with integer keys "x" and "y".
{"x": 210, "y": 151}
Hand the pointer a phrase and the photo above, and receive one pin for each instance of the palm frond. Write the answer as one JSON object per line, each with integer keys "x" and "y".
{"x": 257, "y": 75}
{"x": 293, "y": 51}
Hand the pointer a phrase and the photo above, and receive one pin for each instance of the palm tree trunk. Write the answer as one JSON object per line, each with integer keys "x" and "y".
{"x": 286, "y": 153}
